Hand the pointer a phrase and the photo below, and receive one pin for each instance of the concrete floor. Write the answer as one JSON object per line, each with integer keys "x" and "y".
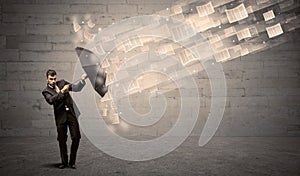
{"x": 221, "y": 156}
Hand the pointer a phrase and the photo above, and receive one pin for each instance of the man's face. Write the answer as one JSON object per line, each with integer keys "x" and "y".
{"x": 51, "y": 80}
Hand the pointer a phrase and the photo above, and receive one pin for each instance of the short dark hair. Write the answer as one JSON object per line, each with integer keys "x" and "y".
{"x": 50, "y": 72}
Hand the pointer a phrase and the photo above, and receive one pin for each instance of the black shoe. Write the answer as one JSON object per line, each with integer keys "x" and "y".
{"x": 72, "y": 166}
{"x": 62, "y": 166}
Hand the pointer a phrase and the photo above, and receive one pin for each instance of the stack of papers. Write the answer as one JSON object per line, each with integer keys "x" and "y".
{"x": 206, "y": 9}
{"x": 274, "y": 31}
{"x": 236, "y": 14}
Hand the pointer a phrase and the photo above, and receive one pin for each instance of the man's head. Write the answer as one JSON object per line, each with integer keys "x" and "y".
{"x": 51, "y": 77}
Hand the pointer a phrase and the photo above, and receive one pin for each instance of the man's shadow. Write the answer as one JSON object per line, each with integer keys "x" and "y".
{"x": 51, "y": 165}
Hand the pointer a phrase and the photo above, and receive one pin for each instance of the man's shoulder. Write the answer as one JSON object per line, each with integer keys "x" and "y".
{"x": 46, "y": 89}
{"x": 61, "y": 82}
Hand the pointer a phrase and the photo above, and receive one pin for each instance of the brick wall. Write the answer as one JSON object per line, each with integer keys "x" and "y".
{"x": 263, "y": 88}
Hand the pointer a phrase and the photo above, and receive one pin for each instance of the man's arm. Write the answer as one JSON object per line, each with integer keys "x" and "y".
{"x": 57, "y": 97}
{"x": 76, "y": 87}
{"x": 52, "y": 98}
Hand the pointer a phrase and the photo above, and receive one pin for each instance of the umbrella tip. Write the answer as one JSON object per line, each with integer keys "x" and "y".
{"x": 79, "y": 50}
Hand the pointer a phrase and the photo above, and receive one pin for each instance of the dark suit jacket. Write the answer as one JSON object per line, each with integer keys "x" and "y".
{"x": 60, "y": 100}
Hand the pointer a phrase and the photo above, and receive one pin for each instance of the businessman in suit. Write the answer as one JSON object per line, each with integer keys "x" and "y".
{"x": 66, "y": 112}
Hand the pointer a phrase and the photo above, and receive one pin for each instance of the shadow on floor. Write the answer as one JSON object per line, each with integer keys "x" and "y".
{"x": 51, "y": 165}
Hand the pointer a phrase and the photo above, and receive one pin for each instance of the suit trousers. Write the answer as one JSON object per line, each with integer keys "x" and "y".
{"x": 62, "y": 136}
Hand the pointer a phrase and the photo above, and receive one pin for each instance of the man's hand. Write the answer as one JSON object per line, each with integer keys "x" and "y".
{"x": 65, "y": 88}
{"x": 83, "y": 77}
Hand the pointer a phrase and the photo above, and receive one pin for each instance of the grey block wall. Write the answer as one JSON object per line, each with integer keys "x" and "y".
{"x": 263, "y": 88}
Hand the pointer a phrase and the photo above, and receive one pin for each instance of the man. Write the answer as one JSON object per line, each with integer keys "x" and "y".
{"x": 66, "y": 112}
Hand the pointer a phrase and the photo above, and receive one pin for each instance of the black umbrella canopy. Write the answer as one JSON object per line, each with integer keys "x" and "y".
{"x": 91, "y": 65}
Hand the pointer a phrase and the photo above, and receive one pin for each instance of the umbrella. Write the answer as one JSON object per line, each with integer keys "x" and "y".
{"x": 91, "y": 65}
